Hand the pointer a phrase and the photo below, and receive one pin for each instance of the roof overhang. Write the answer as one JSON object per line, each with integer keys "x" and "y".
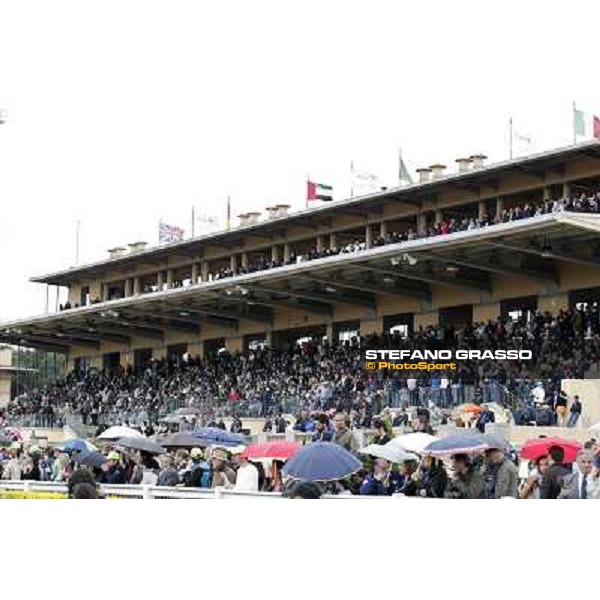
{"x": 532, "y": 248}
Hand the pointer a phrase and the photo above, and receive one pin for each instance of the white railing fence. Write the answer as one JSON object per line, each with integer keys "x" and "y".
{"x": 151, "y": 492}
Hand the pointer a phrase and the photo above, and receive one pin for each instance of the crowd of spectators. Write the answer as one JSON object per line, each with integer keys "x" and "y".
{"x": 317, "y": 376}
{"x": 586, "y": 203}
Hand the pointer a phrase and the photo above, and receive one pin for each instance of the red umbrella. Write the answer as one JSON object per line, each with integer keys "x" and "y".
{"x": 276, "y": 450}
{"x": 534, "y": 449}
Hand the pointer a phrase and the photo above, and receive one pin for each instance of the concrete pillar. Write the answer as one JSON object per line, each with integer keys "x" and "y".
{"x": 439, "y": 216}
{"x": 330, "y": 333}
{"x": 383, "y": 229}
{"x": 169, "y": 278}
{"x": 204, "y": 271}
{"x": 546, "y": 193}
{"x": 566, "y": 190}
{"x": 481, "y": 206}
{"x": 269, "y": 338}
{"x": 368, "y": 237}
{"x": 104, "y": 292}
{"x": 319, "y": 243}
{"x": 233, "y": 263}
{"x": 286, "y": 252}
{"x": 275, "y": 253}
{"x": 499, "y": 207}
{"x": 160, "y": 281}
{"x": 137, "y": 286}
{"x": 244, "y": 260}
{"x": 332, "y": 240}
{"x": 194, "y": 273}
{"x": 128, "y": 288}
{"x": 421, "y": 223}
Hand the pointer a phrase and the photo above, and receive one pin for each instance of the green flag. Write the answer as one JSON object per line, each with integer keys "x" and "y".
{"x": 579, "y": 122}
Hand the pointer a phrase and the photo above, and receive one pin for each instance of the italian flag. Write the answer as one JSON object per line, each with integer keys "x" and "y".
{"x": 318, "y": 191}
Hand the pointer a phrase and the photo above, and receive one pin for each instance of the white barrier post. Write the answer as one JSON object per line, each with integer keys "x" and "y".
{"x": 27, "y": 486}
{"x": 146, "y": 493}
{"x": 218, "y": 493}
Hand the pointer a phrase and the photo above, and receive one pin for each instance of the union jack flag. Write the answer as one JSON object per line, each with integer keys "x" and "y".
{"x": 167, "y": 234}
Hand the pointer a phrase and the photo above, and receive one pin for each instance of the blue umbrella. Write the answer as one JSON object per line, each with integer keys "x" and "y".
{"x": 456, "y": 444}
{"x": 142, "y": 444}
{"x": 77, "y": 446}
{"x": 321, "y": 461}
{"x": 202, "y": 441}
{"x": 216, "y": 434}
{"x": 90, "y": 459}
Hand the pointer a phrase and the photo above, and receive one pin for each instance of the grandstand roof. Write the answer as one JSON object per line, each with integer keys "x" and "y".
{"x": 533, "y": 248}
{"x": 535, "y": 165}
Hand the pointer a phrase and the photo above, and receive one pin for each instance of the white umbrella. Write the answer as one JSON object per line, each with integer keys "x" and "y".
{"x": 595, "y": 427}
{"x": 413, "y": 442}
{"x": 119, "y": 431}
{"x": 393, "y": 454}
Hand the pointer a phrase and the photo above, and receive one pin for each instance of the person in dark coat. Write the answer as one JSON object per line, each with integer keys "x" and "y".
{"x": 553, "y": 479}
{"x": 114, "y": 473}
{"x": 467, "y": 483}
{"x": 431, "y": 478}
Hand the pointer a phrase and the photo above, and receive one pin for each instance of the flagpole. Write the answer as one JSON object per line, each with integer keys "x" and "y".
{"x": 77, "y": 242}
{"x": 351, "y": 179}
{"x": 510, "y": 130}
{"x": 574, "y": 123}
{"x": 399, "y": 167}
{"x": 306, "y": 188}
{"x": 193, "y": 221}
{"x": 228, "y": 213}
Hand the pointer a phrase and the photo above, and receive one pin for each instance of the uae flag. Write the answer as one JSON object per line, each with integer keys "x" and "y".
{"x": 318, "y": 191}
{"x": 596, "y": 127}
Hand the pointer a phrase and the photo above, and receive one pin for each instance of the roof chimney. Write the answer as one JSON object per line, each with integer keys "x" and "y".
{"x": 243, "y": 219}
{"x": 478, "y": 160}
{"x": 437, "y": 170}
{"x": 137, "y": 247}
{"x": 424, "y": 174}
{"x": 252, "y": 218}
{"x": 116, "y": 252}
{"x": 463, "y": 164}
{"x": 282, "y": 210}
{"x": 272, "y": 211}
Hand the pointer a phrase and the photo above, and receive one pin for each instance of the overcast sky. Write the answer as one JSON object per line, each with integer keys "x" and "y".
{"x": 120, "y": 113}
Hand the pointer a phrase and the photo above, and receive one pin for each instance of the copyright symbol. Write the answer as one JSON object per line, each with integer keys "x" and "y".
{"x": 370, "y": 366}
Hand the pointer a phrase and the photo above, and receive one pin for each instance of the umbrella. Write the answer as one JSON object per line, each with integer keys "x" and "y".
{"x": 469, "y": 407}
{"x": 321, "y": 461}
{"x": 389, "y": 452}
{"x": 456, "y": 444}
{"x": 90, "y": 459}
{"x": 77, "y": 445}
{"x": 595, "y": 427}
{"x": 138, "y": 443}
{"x": 5, "y": 440}
{"x": 413, "y": 442}
{"x": 218, "y": 435}
{"x": 202, "y": 441}
{"x": 15, "y": 432}
{"x": 275, "y": 450}
{"x": 536, "y": 448}
{"x": 180, "y": 440}
{"x": 119, "y": 431}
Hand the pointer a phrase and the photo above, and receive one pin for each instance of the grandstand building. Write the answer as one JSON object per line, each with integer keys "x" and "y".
{"x": 165, "y": 301}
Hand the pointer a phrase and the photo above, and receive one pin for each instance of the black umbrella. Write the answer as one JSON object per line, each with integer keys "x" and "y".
{"x": 182, "y": 440}
{"x": 89, "y": 459}
{"x": 142, "y": 444}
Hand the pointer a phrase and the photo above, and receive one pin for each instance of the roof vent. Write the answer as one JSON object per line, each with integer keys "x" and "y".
{"x": 252, "y": 218}
{"x": 463, "y": 164}
{"x": 424, "y": 174}
{"x": 243, "y": 219}
{"x": 282, "y": 210}
{"x": 272, "y": 211}
{"x": 478, "y": 160}
{"x": 437, "y": 170}
{"x": 137, "y": 247}
{"x": 116, "y": 252}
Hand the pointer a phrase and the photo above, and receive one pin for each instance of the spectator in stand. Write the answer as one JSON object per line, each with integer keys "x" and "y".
{"x": 531, "y": 488}
{"x": 381, "y": 435}
{"x": 485, "y": 416}
{"x": 553, "y": 479}
{"x": 584, "y": 484}
{"x": 467, "y": 482}
{"x": 343, "y": 435}
{"x": 574, "y": 412}
{"x": 223, "y": 474}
